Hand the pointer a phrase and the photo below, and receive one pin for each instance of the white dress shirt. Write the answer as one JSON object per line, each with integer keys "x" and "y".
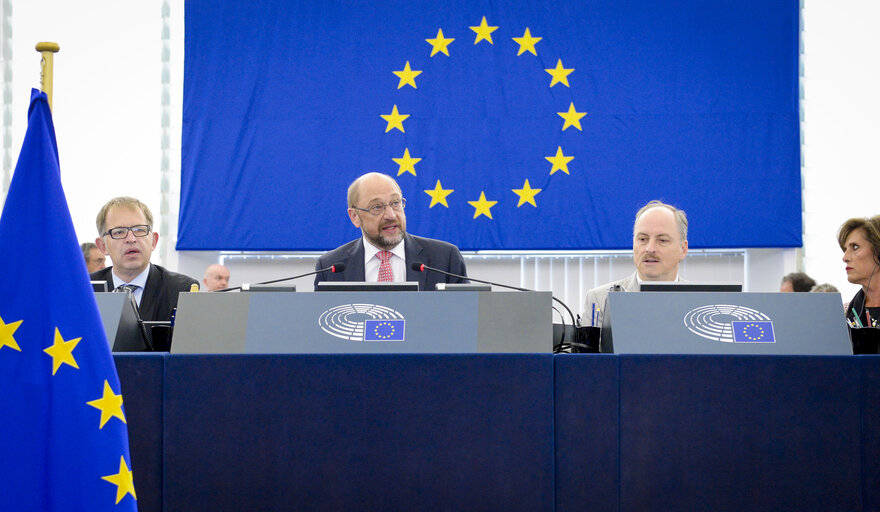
{"x": 140, "y": 281}
{"x": 372, "y": 262}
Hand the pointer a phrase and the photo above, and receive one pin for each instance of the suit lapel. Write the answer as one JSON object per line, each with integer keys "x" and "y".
{"x": 151, "y": 293}
{"x": 413, "y": 250}
{"x": 632, "y": 284}
{"x": 354, "y": 267}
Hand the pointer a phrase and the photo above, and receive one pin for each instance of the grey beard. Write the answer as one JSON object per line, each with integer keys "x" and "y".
{"x": 383, "y": 242}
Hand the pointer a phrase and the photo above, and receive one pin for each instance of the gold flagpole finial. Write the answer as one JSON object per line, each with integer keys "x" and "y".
{"x": 48, "y": 51}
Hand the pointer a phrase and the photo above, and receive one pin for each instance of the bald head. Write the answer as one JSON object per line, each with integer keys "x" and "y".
{"x": 216, "y": 278}
{"x": 369, "y": 180}
{"x": 385, "y": 226}
{"x": 659, "y": 241}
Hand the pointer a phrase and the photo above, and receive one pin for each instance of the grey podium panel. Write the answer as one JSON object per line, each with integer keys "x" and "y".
{"x": 363, "y": 322}
{"x": 725, "y": 323}
{"x": 120, "y": 318}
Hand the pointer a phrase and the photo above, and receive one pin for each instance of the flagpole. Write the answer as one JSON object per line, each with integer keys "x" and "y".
{"x": 48, "y": 51}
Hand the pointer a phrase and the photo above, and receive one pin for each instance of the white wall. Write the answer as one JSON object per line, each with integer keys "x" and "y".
{"x": 106, "y": 99}
{"x": 841, "y": 107}
{"x": 108, "y": 109}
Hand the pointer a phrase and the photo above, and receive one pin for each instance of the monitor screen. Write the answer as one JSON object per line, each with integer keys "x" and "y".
{"x": 679, "y": 286}
{"x": 363, "y": 286}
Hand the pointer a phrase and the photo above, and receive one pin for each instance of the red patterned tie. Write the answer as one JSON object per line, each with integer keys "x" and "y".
{"x": 385, "y": 274}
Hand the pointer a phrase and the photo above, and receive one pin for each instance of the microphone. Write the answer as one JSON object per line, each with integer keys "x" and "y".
{"x": 421, "y": 267}
{"x": 336, "y": 267}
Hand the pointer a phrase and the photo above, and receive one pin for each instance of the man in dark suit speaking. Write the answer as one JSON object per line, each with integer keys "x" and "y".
{"x": 125, "y": 226}
{"x": 386, "y": 251}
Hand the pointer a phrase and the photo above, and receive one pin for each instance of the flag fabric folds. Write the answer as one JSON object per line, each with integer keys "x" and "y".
{"x": 509, "y": 125}
{"x": 64, "y": 437}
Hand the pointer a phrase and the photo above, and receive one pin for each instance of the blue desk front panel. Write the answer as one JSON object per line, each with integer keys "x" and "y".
{"x": 359, "y": 432}
{"x": 587, "y": 423}
{"x": 142, "y": 378}
{"x": 739, "y": 433}
{"x": 869, "y": 390}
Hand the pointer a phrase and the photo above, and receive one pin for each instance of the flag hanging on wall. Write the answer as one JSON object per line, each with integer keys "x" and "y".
{"x": 64, "y": 437}
{"x": 512, "y": 125}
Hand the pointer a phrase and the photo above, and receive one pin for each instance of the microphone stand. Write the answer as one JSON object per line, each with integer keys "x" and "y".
{"x": 338, "y": 267}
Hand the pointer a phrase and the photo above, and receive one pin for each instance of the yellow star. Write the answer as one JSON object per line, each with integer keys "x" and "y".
{"x": 527, "y": 43}
{"x": 482, "y": 206}
{"x": 124, "y": 481}
{"x": 559, "y": 74}
{"x": 439, "y": 43}
{"x": 526, "y": 194}
{"x": 395, "y": 119}
{"x": 560, "y": 161}
{"x": 484, "y": 32}
{"x": 110, "y": 405}
{"x": 407, "y": 163}
{"x": 438, "y": 195}
{"x": 62, "y": 352}
{"x": 572, "y": 118}
{"x": 408, "y": 76}
{"x": 6, "y": 332}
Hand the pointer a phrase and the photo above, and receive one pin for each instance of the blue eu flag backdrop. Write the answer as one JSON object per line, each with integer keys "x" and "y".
{"x": 509, "y": 125}
{"x": 64, "y": 437}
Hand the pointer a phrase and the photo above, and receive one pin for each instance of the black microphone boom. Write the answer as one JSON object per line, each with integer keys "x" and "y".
{"x": 336, "y": 267}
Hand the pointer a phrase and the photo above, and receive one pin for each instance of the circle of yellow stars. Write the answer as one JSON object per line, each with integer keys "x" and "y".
{"x": 110, "y": 404}
{"x": 759, "y": 336}
{"x": 440, "y": 44}
{"x": 391, "y": 331}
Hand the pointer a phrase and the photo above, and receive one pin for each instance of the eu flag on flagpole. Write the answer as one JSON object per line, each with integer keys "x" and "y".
{"x": 63, "y": 436}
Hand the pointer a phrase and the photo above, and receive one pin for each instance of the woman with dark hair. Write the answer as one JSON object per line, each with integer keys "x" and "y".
{"x": 859, "y": 240}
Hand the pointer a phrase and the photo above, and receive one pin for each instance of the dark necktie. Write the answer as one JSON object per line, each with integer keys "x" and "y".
{"x": 129, "y": 287}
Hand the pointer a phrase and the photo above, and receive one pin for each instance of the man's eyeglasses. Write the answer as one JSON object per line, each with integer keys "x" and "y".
{"x": 378, "y": 209}
{"x": 122, "y": 232}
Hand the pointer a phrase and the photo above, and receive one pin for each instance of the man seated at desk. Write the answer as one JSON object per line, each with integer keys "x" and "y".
{"x": 659, "y": 245}
{"x": 125, "y": 226}
{"x": 216, "y": 278}
{"x": 385, "y": 251}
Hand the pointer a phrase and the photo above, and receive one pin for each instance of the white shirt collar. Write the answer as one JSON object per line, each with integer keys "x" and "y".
{"x": 140, "y": 280}
{"x": 370, "y": 250}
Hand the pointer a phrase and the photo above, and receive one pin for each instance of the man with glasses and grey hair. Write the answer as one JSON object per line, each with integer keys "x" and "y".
{"x": 386, "y": 252}
{"x": 659, "y": 245}
{"x": 125, "y": 229}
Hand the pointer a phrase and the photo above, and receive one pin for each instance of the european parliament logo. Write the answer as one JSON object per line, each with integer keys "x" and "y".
{"x": 363, "y": 322}
{"x": 730, "y": 323}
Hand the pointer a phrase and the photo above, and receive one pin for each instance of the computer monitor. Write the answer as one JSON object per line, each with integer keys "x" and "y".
{"x": 463, "y": 287}
{"x": 363, "y": 286}
{"x": 679, "y": 286}
{"x": 268, "y": 287}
